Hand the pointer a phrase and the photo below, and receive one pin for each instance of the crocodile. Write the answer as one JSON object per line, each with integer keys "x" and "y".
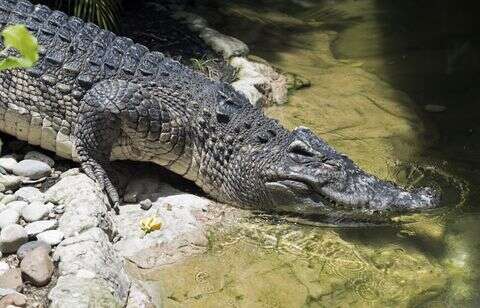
{"x": 95, "y": 97}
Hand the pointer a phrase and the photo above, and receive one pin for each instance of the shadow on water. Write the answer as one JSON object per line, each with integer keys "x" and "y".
{"x": 431, "y": 50}
{"x": 277, "y": 31}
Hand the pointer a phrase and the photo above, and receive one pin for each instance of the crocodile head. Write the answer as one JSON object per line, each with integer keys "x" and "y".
{"x": 307, "y": 176}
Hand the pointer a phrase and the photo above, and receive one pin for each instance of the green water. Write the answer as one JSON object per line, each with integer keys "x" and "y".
{"x": 373, "y": 66}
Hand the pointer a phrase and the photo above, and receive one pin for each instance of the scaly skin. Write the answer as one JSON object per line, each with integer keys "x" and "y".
{"x": 96, "y": 97}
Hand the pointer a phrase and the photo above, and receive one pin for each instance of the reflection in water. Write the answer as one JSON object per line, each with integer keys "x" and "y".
{"x": 355, "y": 103}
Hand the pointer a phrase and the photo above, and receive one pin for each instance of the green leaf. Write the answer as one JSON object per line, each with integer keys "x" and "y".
{"x": 19, "y": 38}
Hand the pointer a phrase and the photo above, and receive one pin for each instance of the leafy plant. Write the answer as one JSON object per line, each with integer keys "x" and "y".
{"x": 150, "y": 224}
{"x": 19, "y": 38}
{"x": 104, "y": 13}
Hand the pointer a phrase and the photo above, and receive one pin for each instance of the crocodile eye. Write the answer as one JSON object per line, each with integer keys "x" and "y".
{"x": 299, "y": 148}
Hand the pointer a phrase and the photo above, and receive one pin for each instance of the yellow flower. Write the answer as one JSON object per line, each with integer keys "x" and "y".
{"x": 150, "y": 224}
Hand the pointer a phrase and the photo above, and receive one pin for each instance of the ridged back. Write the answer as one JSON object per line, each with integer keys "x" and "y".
{"x": 74, "y": 55}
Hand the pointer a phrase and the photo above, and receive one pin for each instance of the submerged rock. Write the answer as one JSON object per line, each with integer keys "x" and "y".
{"x": 298, "y": 266}
{"x": 434, "y": 108}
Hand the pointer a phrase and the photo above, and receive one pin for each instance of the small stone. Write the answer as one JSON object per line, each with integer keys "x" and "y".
{"x": 12, "y": 237}
{"x": 8, "y": 163}
{"x": 59, "y": 209}
{"x": 40, "y": 226}
{"x": 13, "y": 299}
{"x": 34, "y": 155}
{"x": 37, "y": 267}
{"x": 8, "y": 217}
{"x": 4, "y": 291}
{"x": 35, "y": 211}
{"x": 12, "y": 279}
{"x": 146, "y": 204}
{"x": 32, "y": 169}
{"x": 27, "y": 247}
{"x": 16, "y": 206}
{"x": 29, "y": 194}
{"x": 51, "y": 237}
{"x": 4, "y": 267}
{"x": 10, "y": 182}
{"x": 434, "y": 108}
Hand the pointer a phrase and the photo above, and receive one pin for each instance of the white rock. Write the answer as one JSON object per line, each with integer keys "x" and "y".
{"x": 35, "y": 211}
{"x": 51, "y": 237}
{"x": 34, "y": 155}
{"x": 29, "y": 194}
{"x": 226, "y": 45}
{"x": 32, "y": 169}
{"x": 16, "y": 206}
{"x": 3, "y": 267}
{"x": 11, "y": 238}
{"x": 253, "y": 76}
{"x": 40, "y": 226}
{"x": 183, "y": 218}
{"x": 9, "y": 182}
{"x": 84, "y": 204}
{"x": 8, "y": 217}
{"x": 8, "y": 163}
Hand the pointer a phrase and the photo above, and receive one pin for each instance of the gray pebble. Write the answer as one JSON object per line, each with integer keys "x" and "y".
{"x": 51, "y": 237}
{"x": 11, "y": 238}
{"x": 32, "y": 169}
{"x": 40, "y": 226}
{"x": 27, "y": 247}
{"x": 8, "y": 217}
{"x": 146, "y": 204}
{"x": 34, "y": 155}
{"x": 59, "y": 209}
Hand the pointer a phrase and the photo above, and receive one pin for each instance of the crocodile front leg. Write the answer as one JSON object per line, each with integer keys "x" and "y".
{"x": 98, "y": 128}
